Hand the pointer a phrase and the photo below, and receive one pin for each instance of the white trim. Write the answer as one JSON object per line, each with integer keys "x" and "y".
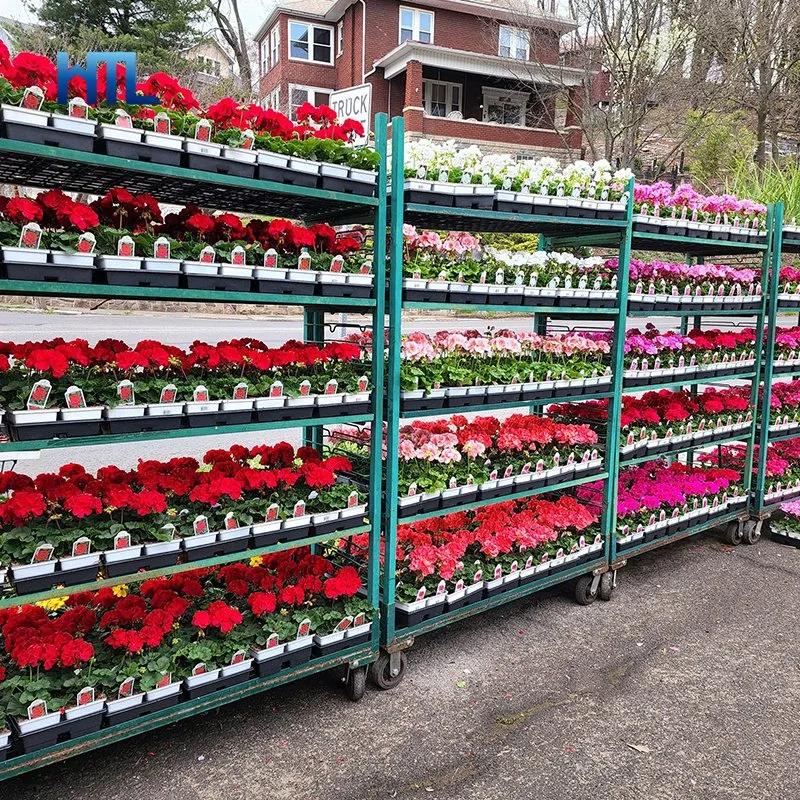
{"x": 415, "y": 30}
{"x": 431, "y": 55}
{"x": 511, "y": 98}
{"x": 311, "y": 26}
{"x": 274, "y": 46}
{"x": 513, "y": 33}
{"x": 339, "y": 38}
{"x": 312, "y": 90}
{"x": 449, "y": 86}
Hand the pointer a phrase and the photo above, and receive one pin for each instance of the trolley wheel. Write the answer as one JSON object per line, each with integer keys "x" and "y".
{"x": 606, "y": 587}
{"x": 585, "y": 595}
{"x": 355, "y": 683}
{"x": 734, "y": 533}
{"x": 752, "y": 530}
{"x": 381, "y": 671}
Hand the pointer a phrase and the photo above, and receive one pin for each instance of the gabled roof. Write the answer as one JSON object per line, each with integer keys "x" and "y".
{"x": 514, "y": 10}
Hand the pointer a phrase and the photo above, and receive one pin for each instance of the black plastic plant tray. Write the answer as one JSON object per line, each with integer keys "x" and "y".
{"x": 352, "y": 409}
{"x": 220, "y": 166}
{"x": 284, "y": 414}
{"x": 72, "y": 577}
{"x": 143, "y": 709}
{"x": 471, "y": 400}
{"x": 429, "y": 198}
{"x": 322, "y": 529}
{"x": 52, "y": 137}
{"x": 290, "y": 659}
{"x": 423, "y": 403}
{"x": 60, "y": 429}
{"x": 39, "y": 583}
{"x": 359, "y": 639}
{"x": 298, "y": 288}
{"x": 347, "y": 186}
{"x": 49, "y": 273}
{"x": 139, "y": 151}
{"x": 404, "y": 619}
{"x": 62, "y": 732}
{"x": 461, "y": 297}
{"x": 512, "y": 207}
{"x": 286, "y": 175}
{"x": 144, "y": 424}
{"x": 218, "y": 283}
{"x": 479, "y": 202}
{"x": 219, "y": 418}
{"x": 490, "y": 494}
{"x": 127, "y": 567}
{"x": 141, "y": 277}
{"x": 345, "y": 290}
{"x": 217, "y": 685}
{"x": 318, "y": 651}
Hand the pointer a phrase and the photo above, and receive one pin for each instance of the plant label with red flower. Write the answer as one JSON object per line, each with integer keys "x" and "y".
{"x": 230, "y": 521}
{"x": 82, "y": 546}
{"x": 669, "y": 433}
{"x": 162, "y": 123}
{"x": 37, "y": 709}
{"x": 493, "y": 475}
{"x": 545, "y": 558}
{"x": 556, "y": 458}
{"x": 202, "y": 131}
{"x": 366, "y": 268}
{"x": 272, "y": 512}
{"x": 417, "y": 276}
{"x": 276, "y": 389}
{"x": 331, "y": 386}
{"x": 248, "y": 140}
{"x": 304, "y": 260}
{"x": 271, "y": 258}
{"x": 122, "y": 119}
{"x": 164, "y": 680}
{"x": 420, "y": 593}
{"x": 337, "y": 264}
{"x": 540, "y": 466}
{"x": 453, "y": 483}
{"x": 168, "y": 393}
{"x": 238, "y": 657}
{"x": 513, "y": 568}
{"x": 200, "y": 394}
{"x": 625, "y": 530}
{"x": 86, "y": 243}
{"x": 78, "y": 108}
{"x": 634, "y": 364}
{"x": 125, "y": 247}
{"x": 207, "y": 255}
{"x": 587, "y": 457}
{"x": 689, "y": 427}
{"x": 125, "y": 393}
{"x": 32, "y": 98}
{"x": 631, "y": 439}
{"x": 570, "y": 459}
{"x": 675, "y": 292}
{"x": 126, "y": 688}
{"x": 238, "y": 256}
{"x": 645, "y": 365}
{"x": 704, "y": 503}
{"x": 304, "y": 628}
{"x": 441, "y": 588}
{"x": 75, "y": 397}
{"x": 161, "y": 247}
{"x": 344, "y": 624}
{"x": 498, "y": 571}
{"x": 122, "y": 540}
{"x": 305, "y": 388}
{"x": 44, "y": 552}
{"x": 200, "y": 524}
{"x": 573, "y": 549}
{"x": 240, "y": 391}
{"x": 30, "y": 236}
{"x": 412, "y": 490}
{"x": 299, "y": 509}
{"x": 199, "y": 669}
{"x": 272, "y": 641}
{"x": 39, "y": 395}
{"x": 560, "y": 552}
{"x": 85, "y": 696}
{"x": 526, "y": 468}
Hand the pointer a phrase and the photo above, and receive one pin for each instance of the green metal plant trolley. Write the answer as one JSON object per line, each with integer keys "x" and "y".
{"x": 28, "y": 164}
{"x": 591, "y": 579}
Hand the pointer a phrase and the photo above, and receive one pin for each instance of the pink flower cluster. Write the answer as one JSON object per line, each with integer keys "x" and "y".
{"x": 456, "y": 244}
{"x": 681, "y": 274}
{"x": 661, "y": 196}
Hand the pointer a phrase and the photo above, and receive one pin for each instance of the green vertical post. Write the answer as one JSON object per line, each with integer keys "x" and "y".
{"x": 377, "y": 375}
{"x": 613, "y": 426}
{"x": 313, "y": 331}
{"x": 393, "y": 385}
{"x": 770, "y": 281}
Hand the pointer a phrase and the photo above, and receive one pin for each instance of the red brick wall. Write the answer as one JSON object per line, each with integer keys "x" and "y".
{"x": 487, "y": 132}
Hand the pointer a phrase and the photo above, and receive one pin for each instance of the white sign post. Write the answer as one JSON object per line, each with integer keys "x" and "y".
{"x": 354, "y": 103}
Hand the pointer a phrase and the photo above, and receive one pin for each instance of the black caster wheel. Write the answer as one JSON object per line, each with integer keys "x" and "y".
{"x": 585, "y": 595}
{"x": 734, "y": 533}
{"x": 752, "y": 530}
{"x": 355, "y": 683}
{"x": 606, "y": 587}
{"x": 381, "y": 671}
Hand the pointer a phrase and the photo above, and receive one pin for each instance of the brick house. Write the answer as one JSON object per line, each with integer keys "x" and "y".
{"x": 471, "y": 70}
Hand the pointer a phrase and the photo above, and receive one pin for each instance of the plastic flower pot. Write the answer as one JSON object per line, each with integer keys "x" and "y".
{"x": 266, "y": 533}
{"x": 329, "y": 399}
{"x": 329, "y": 643}
{"x": 494, "y": 587}
{"x": 202, "y": 406}
{"x": 25, "y": 255}
{"x": 202, "y": 148}
{"x": 170, "y": 690}
{"x": 408, "y": 505}
{"x": 451, "y": 497}
{"x": 325, "y": 523}
{"x": 23, "y": 116}
{"x": 124, "y": 703}
{"x": 162, "y": 553}
{"x": 237, "y": 669}
{"x": 479, "y": 292}
{"x": 82, "y": 414}
{"x": 241, "y": 155}
{"x": 164, "y": 140}
{"x": 203, "y": 684}
{"x": 36, "y": 417}
{"x": 455, "y": 600}
{"x": 358, "y": 634}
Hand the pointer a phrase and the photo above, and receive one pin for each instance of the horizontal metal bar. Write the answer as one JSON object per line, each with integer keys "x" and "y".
{"x": 741, "y": 376}
{"x": 441, "y": 512}
{"x": 144, "y": 575}
{"x": 189, "y": 708}
{"x": 714, "y": 312}
{"x": 692, "y": 245}
{"x": 553, "y": 312}
{"x": 434, "y": 412}
{"x": 41, "y": 289}
{"x": 501, "y": 599}
{"x": 181, "y": 433}
{"x": 696, "y": 446}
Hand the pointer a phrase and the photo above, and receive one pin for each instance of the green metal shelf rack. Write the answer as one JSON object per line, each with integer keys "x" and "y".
{"x": 614, "y": 233}
{"x": 33, "y": 165}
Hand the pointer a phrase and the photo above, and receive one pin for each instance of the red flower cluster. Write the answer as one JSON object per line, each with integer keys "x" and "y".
{"x": 52, "y": 209}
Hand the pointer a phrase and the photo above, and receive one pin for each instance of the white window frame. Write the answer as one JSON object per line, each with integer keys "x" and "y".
{"x": 508, "y": 97}
{"x": 513, "y": 32}
{"x": 427, "y": 103}
{"x": 312, "y": 96}
{"x": 415, "y": 15}
{"x": 264, "y": 53}
{"x": 274, "y": 46}
{"x": 339, "y": 38}
{"x": 312, "y": 26}
{"x": 272, "y": 99}
{"x": 212, "y": 63}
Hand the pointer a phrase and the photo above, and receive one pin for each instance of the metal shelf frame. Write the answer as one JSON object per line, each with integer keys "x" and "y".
{"x": 33, "y": 165}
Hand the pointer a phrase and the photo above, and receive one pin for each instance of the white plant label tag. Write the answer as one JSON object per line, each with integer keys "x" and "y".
{"x": 39, "y": 395}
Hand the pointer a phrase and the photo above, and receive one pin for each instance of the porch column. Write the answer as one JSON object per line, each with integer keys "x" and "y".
{"x": 574, "y": 107}
{"x": 413, "y": 109}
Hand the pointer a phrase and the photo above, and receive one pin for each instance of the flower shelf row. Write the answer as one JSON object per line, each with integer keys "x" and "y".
{"x": 692, "y": 373}
{"x": 680, "y": 442}
{"x": 694, "y": 229}
{"x": 693, "y": 302}
{"x": 784, "y": 527}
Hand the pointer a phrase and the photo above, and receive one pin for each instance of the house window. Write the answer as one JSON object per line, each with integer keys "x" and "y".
{"x": 307, "y": 94}
{"x": 514, "y": 43}
{"x": 274, "y": 46}
{"x": 505, "y": 107}
{"x": 209, "y": 66}
{"x": 273, "y": 99}
{"x": 416, "y": 25}
{"x": 264, "y": 46}
{"x": 310, "y": 42}
{"x": 339, "y": 39}
{"x": 440, "y": 99}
